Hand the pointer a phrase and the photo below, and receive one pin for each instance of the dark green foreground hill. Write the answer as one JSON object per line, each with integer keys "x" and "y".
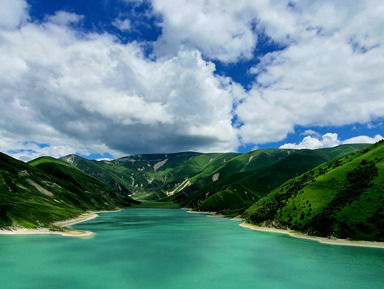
{"x": 343, "y": 198}
{"x": 48, "y": 190}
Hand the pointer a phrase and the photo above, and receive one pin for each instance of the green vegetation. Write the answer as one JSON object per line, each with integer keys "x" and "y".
{"x": 223, "y": 182}
{"x": 101, "y": 171}
{"x": 48, "y": 190}
{"x": 343, "y": 198}
{"x": 246, "y": 178}
{"x": 151, "y": 176}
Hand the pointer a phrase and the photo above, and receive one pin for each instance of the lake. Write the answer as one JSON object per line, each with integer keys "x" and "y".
{"x": 161, "y": 248}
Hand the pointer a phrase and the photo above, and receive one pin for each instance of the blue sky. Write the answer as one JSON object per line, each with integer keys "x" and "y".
{"x": 108, "y": 78}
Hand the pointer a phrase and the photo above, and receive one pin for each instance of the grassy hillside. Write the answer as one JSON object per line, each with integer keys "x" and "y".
{"x": 223, "y": 182}
{"x": 150, "y": 176}
{"x": 100, "y": 170}
{"x": 248, "y": 177}
{"x": 48, "y": 190}
{"x": 76, "y": 177}
{"x": 342, "y": 198}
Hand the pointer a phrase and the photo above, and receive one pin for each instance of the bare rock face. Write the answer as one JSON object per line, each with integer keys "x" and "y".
{"x": 23, "y": 173}
{"x": 69, "y": 159}
{"x": 215, "y": 177}
{"x": 40, "y": 188}
{"x": 159, "y": 164}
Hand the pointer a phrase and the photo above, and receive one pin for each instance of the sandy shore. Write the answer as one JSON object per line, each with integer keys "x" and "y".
{"x": 295, "y": 234}
{"x": 45, "y": 231}
{"x": 340, "y": 242}
{"x": 201, "y": 212}
{"x": 216, "y": 216}
{"x": 63, "y": 224}
{"x": 82, "y": 218}
{"x": 209, "y": 214}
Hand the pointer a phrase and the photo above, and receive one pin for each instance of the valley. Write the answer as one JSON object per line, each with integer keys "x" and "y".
{"x": 333, "y": 192}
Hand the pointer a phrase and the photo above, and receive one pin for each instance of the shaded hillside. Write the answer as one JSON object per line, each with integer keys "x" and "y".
{"x": 343, "y": 198}
{"x": 53, "y": 191}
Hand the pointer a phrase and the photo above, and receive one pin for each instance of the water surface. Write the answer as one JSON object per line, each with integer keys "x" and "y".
{"x": 159, "y": 248}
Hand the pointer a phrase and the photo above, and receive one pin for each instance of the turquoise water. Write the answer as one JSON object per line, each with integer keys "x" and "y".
{"x": 152, "y": 248}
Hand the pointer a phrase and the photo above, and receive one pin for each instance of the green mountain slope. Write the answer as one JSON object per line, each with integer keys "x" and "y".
{"x": 150, "y": 176}
{"x": 247, "y": 178}
{"x": 100, "y": 170}
{"x": 223, "y": 182}
{"x": 48, "y": 190}
{"x": 343, "y": 198}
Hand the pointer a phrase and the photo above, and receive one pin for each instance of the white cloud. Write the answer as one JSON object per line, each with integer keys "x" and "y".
{"x": 64, "y": 18}
{"x": 363, "y": 139}
{"x": 93, "y": 91}
{"x": 60, "y": 86}
{"x": 123, "y": 25}
{"x": 329, "y": 140}
{"x": 13, "y": 13}
{"x": 329, "y": 75}
{"x": 311, "y": 133}
{"x": 309, "y": 142}
{"x": 27, "y": 152}
{"x": 225, "y": 30}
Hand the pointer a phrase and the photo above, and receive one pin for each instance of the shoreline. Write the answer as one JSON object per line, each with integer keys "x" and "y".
{"x": 322, "y": 240}
{"x": 90, "y": 215}
{"x": 299, "y": 235}
{"x": 200, "y": 212}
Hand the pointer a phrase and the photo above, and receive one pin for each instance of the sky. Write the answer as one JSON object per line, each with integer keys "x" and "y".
{"x": 110, "y": 78}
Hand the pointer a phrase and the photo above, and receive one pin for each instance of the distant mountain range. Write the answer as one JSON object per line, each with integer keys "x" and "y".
{"x": 334, "y": 191}
{"x": 223, "y": 182}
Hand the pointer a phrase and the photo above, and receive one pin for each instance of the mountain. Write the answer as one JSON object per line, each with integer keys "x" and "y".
{"x": 248, "y": 177}
{"x": 48, "y": 190}
{"x": 150, "y": 176}
{"x": 99, "y": 170}
{"x": 343, "y": 198}
{"x": 221, "y": 182}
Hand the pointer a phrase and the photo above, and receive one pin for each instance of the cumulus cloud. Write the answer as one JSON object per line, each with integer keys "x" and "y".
{"x": 59, "y": 86}
{"x": 330, "y": 75}
{"x": 310, "y": 142}
{"x": 329, "y": 140}
{"x": 311, "y": 133}
{"x": 88, "y": 92}
{"x": 363, "y": 139}
{"x": 122, "y": 24}
{"x": 13, "y": 13}
{"x": 64, "y": 18}
{"x": 225, "y": 30}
